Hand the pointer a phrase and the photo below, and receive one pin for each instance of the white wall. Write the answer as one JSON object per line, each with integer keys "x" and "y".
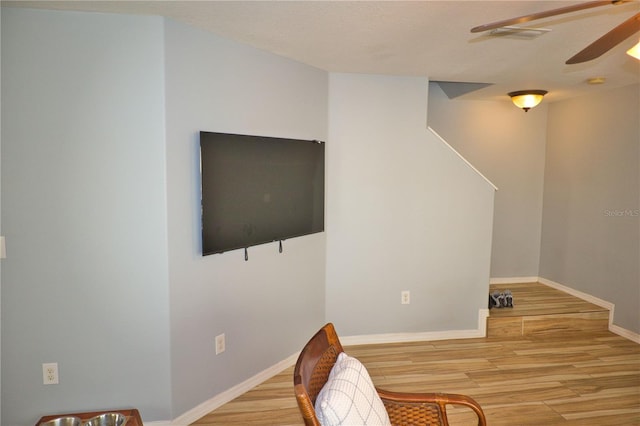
{"x": 591, "y": 238}
{"x": 404, "y": 213}
{"x": 84, "y": 213}
{"x": 269, "y": 306}
{"x": 508, "y": 146}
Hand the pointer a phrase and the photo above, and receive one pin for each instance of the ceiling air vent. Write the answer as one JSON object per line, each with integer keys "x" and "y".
{"x": 519, "y": 32}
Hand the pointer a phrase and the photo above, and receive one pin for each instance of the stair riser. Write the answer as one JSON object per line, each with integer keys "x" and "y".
{"x": 541, "y": 325}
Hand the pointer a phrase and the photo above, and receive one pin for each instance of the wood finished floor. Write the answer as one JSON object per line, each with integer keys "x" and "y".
{"x": 560, "y": 378}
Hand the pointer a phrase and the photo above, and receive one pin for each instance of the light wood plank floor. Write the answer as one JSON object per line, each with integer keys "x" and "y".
{"x": 562, "y": 377}
{"x": 581, "y": 379}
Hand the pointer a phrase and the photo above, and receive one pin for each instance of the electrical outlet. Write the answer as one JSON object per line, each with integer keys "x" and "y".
{"x": 405, "y": 297}
{"x": 50, "y": 373}
{"x": 220, "y": 344}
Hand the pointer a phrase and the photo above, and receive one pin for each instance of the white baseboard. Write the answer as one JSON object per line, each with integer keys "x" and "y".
{"x": 369, "y": 339}
{"x": 623, "y": 332}
{"x": 483, "y": 314}
{"x": 372, "y": 339}
{"x": 230, "y": 394}
{"x": 234, "y": 392}
{"x": 577, "y": 293}
{"x": 616, "y": 329}
{"x": 513, "y": 280}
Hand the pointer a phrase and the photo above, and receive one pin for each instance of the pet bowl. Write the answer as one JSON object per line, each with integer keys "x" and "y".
{"x": 63, "y": 421}
{"x": 107, "y": 419}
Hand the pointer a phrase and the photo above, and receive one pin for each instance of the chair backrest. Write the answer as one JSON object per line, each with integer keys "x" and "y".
{"x": 312, "y": 370}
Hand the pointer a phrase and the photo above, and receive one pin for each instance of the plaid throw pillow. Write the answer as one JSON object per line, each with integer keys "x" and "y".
{"x": 349, "y": 397}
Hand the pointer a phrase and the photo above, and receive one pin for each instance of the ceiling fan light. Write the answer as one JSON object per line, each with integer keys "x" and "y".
{"x": 527, "y": 99}
{"x": 634, "y": 51}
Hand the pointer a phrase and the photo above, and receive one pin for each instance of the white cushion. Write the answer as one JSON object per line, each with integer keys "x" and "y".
{"x": 349, "y": 397}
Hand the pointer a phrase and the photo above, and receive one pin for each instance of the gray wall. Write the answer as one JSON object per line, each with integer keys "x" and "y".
{"x": 581, "y": 158}
{"x": 84, "y": 213}
{"x": 590, "y": 238}
{"x": 0, "y": 224}
{"x": 405, "y": 213}
{"x": 269, "y": 306}
{"x": 100, "y": 210}
{"x": 508, "y": 146}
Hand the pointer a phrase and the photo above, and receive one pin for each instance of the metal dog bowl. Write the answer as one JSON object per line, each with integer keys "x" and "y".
{"x": 63, "y": 421}
{"x": 107, "y": 419}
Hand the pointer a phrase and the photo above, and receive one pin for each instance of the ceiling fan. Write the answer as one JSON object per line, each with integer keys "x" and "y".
{"x": 595, "y": 49}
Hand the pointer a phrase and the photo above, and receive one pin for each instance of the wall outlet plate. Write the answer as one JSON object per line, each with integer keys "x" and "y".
{"x": 220, "y": 344}
{"x": 50, "y": 373}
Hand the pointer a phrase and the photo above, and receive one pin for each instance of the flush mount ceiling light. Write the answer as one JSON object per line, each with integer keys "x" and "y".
{"x": 634, "y": 51}
{"x": 527, "y": 99}
{"x": 596, "y": 80}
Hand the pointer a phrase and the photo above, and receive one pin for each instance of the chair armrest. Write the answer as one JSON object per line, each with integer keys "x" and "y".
{"x": 425, "y": 408}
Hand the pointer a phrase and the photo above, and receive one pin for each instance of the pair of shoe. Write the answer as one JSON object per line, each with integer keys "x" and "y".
{"x": 501, "y": 300}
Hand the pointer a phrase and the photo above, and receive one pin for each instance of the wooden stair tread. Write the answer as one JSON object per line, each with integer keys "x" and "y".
{"x": 541, "y": 310}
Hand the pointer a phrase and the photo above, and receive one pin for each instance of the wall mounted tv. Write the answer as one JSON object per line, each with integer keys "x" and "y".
{"x": 259, "y": 189}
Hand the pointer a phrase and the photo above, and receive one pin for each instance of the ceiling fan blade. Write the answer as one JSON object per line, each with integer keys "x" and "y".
{"x": 607, "y": 41}
{"x": 540, "y": 15}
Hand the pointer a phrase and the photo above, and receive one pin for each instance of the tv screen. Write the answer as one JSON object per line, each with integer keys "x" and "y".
{"x": 259, "y": 189}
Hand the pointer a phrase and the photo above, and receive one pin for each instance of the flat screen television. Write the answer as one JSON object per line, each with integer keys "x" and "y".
{"x": 259, "y": 189}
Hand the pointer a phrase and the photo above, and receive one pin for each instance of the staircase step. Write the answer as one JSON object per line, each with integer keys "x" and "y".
{"x": 540, "y": 310}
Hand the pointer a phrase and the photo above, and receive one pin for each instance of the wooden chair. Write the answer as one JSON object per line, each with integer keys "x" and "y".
{"x": 312, "y": 370}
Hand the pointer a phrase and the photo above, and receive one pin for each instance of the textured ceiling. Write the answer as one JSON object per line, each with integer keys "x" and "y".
{"x": 416, "y": 38}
